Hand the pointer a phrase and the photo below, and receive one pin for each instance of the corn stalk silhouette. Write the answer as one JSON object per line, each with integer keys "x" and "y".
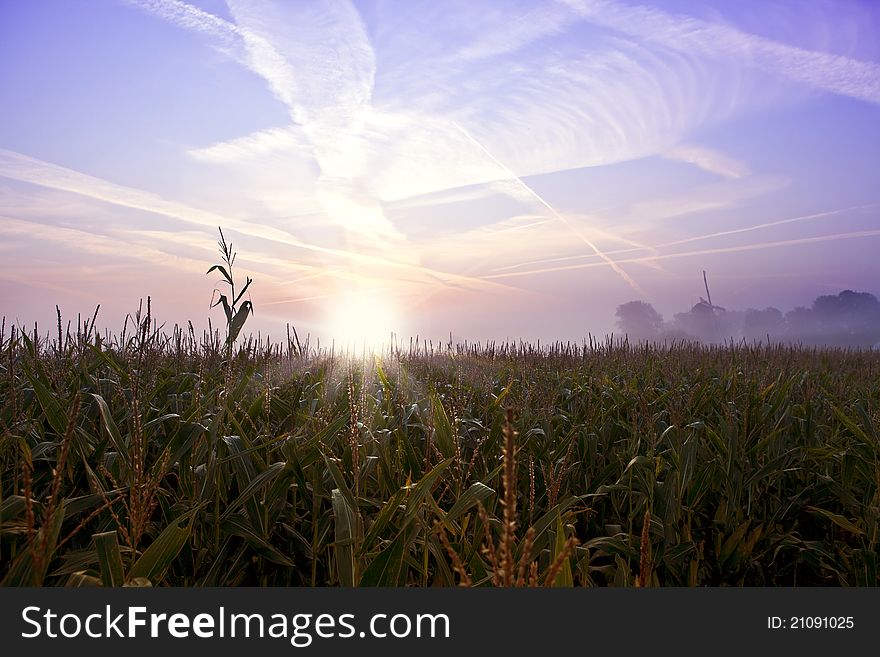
{"x": 235, "y": 318}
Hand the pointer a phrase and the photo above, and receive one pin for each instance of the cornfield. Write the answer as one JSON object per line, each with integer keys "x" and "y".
{"x": 154, "y": 459}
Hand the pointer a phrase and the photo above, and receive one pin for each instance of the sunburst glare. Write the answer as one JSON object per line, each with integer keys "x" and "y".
{"x": 364, "y": 320}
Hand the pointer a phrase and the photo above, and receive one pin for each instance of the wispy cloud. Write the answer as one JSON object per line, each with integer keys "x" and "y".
{"x": 508, "y": 174}
{"x": 655, "y": 249}
{"x": 192, "y": 18}
{"x": 92, "y": 243}
{"x": 388, "y": 107}
{"x": 499, "y": 33}
{"x": 426, "y": 148}
{"x": 826, "y": 71}
{"x": 707, "y": 159}
{"x": 254, "y": 146}
{"x": 701, "y": 252}
{"x": 316, "y": 58}
{"x": 332, "y": 99}
{"x": 560, "y": 109}
{"x": 711, "y": 197}
{"x": 27, "y": 169}
{"x": 328, "y": 96}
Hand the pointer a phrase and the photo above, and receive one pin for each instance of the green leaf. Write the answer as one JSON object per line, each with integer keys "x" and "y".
{"x": 226, "y": 309}
{"x": 81, "y": 579}
{"x": 732, "y": 542}
{"x": 339, "y": 480}
{"x": 253, "y": 487}
{"x": 235, "y": 526}
{"x": 108, "y": 359}
{"x": 120, "y": 445}
{"x": 49, "y": 403}
{"x": 384, "y": 517}
{"x": 155, "y": 560}
{"x": 346, "y": 531}
{"x": 110, "y": 559}
{"x": 386, "y": 569}
{"x": 497, "y": 401}
{"x": 442, "y": 428}
{"x": 13, "y": 507}
{"x": 543, "y": 525}
{"x": 222, "y": 270}
{"x": 237, "y": 322}
{"x": 383, "y": 378}
{"x": 477, "y": 492}
{"x": 639, "y": 461}
{"x": 838, "y": 520}
{"x": 243, "y": 290}
{"x": 162, "y": 418}
{"x": 76, "y": 505}
{"x": 423, "y": 487}
{"x": 565, "y": 577}
{"x": 23, "y": 572}
{"x": 854, "y": 427}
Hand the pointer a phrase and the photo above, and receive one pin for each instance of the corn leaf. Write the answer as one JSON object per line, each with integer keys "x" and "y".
{"x": 155, "y": 560}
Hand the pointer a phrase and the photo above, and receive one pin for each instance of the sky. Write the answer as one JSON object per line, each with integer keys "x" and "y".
{"x": 483, "y": 169}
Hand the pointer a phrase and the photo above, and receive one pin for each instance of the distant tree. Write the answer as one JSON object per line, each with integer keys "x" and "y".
{"x": 639, "y": 320}
{"x": 701, "y": 322}
{"x": 759, "y": 324}
{"x": 848, "y": 312}
{"x": 729, "y": 324}
{"x": 848, "y": 318}
{"x": 801, "y": 324}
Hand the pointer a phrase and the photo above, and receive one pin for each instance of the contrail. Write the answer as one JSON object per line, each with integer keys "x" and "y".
{"x": 635, "y": 247}
{"x": 512, "y": 176}
{"x": 696, "y": 238}
{"x": 686, "y": 254}
{"x": 770, "y": 224}
{"x": 322, "y": 296}
{"x": 25, "y": 168}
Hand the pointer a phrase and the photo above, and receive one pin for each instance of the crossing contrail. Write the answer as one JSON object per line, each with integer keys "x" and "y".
{"x": 697, "y": 238}
{"x": 701, "y": 252}
{"x": 554, "y": 213}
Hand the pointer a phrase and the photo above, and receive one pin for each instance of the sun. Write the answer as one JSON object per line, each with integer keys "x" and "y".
{"x": 361, "y": 320}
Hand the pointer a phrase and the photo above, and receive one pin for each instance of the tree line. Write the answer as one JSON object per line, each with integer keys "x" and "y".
{"x": 845, "y": 319}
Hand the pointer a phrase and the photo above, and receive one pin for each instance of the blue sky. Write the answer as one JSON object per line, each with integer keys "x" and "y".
{"x": 490, "y": 169}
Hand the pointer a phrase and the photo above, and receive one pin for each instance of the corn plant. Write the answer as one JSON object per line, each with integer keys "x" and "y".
{"x": 235, "y": 318}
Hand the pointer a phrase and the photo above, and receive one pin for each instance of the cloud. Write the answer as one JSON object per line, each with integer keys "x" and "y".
{"x": 701, "y": 252}
{"x": 192, "y": 18}
{"x": 828, "y": 72}
{"x": 31, "y": 170}
{"x": 707, "y": 159}
{"x": 316, "y": 59}
{"x": 384, "y": 113}
{"x": 90, "y": 242}
{"x": 700, "y": 199}
{"x": 506, "y": 33}
{"x": 255, "y": 146}
{"x": 655, "y": 249}
{"x": 385, "y": 107}
{"x": 460, "y": 101}
{"x": 329, "y": 95}
{"x": 554, "y": 213}
{"x": 315, "y": 56}
{"x": 769, "y": 224}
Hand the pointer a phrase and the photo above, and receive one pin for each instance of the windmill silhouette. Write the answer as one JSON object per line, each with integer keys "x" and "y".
{"x": 708, "y": 300}
{"x": 706, "y": 314}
